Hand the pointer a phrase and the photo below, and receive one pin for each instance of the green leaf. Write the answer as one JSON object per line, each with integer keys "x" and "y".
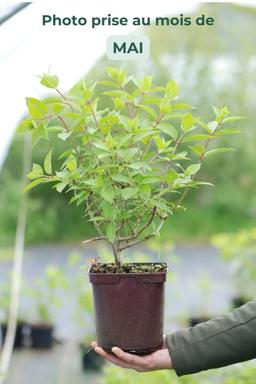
{"x": 33, "y": 184}
{"x": 179, "y": 156}
{"x": 60, "y": 186}
{"x": 192, "y": 169}
{"x": 119, "y": 104}
{"x": 127, "y": 154}
{"x": 196, "y": 138}
{"x": 187, "y": 122}
{"x": 49, "y": 81}
{"x": 160, "y": 204}
{"x": 108, "y": 83}
{"x": 151, "y": 180}
{"x": 157, "y": 89}
{"x": 64, "y": 135}
{"x": 172, "y": 90}
{"x": 36, "y": 172}
{"x": 112, "y": 72}
{"x": 198, "y": 149}
{"x": 55, "y": 128}
{"x": 101, "y": 145}
{"x": 228, "y": 132}
{"x": 108, "y": 210}
{"x": 149, "y": 111}
{"x": 145, "y": 190}
{"x": 204, "y": 183}
{"x": 48, "y": 163}
{"x": 233, "y": 118}
{"x": 218, "y": 150}
{"x": 72, "y": 165}
{"x": 25, "y": 126}
{"x": 57, "y": 108}
{"x": 212, "y": 126}
{"x": 111, "y": 232}
{"x": 171, "y": 176}
{"x": 39, "y": 132}
{"x": 127, "y": 193}
{"x": 42, "y": 130}
{"x": 108, "y": 194}
{"x": 202, "y": 124}
{"x": 146, "y": 83}
{"x": 36, "y": 108}
{"x": 143, "y": 134}
{"x": 168, "y": 129}
{"x": 107, "y": 122}
{"x": 121, "y": 178}
{"x": 182, "y": 106}
{"x": 165, "y": 106}
{"x": 140, "y": 165}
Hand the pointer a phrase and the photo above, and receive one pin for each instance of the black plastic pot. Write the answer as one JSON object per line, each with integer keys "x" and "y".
{"x": 91, "y": 361}
{"x": 238, "y": 301}
{"x": 41, "y": 336}
{"x": 129, "y": 309}
{"x": 18, "y": 340}
{"x": 197, "y": 320}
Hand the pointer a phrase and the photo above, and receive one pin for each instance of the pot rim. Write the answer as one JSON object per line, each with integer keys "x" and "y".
{"x": 131, "y": 274}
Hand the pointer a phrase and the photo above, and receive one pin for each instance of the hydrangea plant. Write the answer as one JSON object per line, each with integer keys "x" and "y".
{"x": 134, "y": 151}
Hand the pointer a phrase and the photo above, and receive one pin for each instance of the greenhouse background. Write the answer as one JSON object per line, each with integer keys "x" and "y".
{"x": 210, "y": 247}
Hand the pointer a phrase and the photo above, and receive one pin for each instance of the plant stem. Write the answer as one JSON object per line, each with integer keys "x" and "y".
{"x": 65, "y": 98}
{"x": 136, "y": 242}
{"x": 145, "y": 226}
{"x": 71, "y": 138}
{"x": 116, "y": 252}
{"x": 93, "y": 113}
{"x": 150, "y": 141}
{"x": 94, "y": 239}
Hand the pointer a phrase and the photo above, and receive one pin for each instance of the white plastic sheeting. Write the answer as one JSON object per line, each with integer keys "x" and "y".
{"x": 28, "y": 49}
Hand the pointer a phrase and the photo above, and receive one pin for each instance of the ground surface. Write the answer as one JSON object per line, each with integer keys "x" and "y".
{"x": 59, "y": 366}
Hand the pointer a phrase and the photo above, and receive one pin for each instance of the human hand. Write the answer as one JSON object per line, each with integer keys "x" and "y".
{"x": 159, "y": 359}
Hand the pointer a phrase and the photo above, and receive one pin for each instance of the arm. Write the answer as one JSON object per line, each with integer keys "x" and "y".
{"x": 225, "y": 340}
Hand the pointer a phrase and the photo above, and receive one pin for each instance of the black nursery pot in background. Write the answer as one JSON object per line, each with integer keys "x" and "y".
{"x": 41, "y": 336}
{"x": 91, "y": 361}
{"x": 18, "y": 340}
{"x": 197, "y": 320}
{"x": 238, "y": 301}
{"x": 129, "y": 309}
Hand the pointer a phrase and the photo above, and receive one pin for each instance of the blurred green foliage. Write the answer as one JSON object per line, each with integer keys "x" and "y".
{"x": 240, "y": 251}
{"x": 215, "y": 67}
{"x": 46, "y": 293}
{"x": 242, "y": 374}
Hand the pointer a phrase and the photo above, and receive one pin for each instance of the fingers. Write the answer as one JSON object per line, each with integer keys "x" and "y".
{"x": 94, "y": 344}
{"x": 111, "y": 358}
{"x": 127, "y": 357}
{"x": 124, "y": 359}
{"x": 138, "y": 363}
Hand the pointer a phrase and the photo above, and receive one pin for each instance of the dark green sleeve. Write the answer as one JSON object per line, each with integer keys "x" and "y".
{"x": 222, "y": 341}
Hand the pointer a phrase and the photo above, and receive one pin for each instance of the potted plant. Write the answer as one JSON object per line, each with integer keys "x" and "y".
{"x": 4, "y": 309}
{"x": 45, "y": 294}
{"x": 134, "y": 153}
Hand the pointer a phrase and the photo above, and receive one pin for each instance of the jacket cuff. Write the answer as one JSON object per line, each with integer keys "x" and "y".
{"x": 184, "y": 362}
{"x": 176, "y": 354}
